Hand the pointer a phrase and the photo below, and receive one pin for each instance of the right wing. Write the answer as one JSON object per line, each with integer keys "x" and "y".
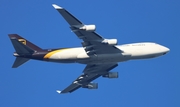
{"x": 90, "y": 73}
{"x": 93, "y": 43}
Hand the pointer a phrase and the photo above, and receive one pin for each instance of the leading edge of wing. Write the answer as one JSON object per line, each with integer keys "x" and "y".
{"x": 67, "y": 16}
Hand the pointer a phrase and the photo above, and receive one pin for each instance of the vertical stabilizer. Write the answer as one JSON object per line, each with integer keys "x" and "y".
{"x": 20, "y": 44}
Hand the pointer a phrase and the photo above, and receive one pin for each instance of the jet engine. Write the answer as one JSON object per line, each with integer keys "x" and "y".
{"x": 91, "y": 86}
{"x": 111, "y": 75}
{"x": 110, "y": 41}
{"x": 89, "y": 28}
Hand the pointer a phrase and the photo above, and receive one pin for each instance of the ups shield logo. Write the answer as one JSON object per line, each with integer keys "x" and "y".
{"x": 23, "y": 41}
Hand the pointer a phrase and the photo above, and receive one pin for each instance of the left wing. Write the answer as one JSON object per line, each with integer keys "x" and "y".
{"x": 93, "y": 43}
{"x": 90, "y": 73}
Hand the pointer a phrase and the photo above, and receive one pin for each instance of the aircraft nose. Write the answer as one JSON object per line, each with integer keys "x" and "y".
{"x": 164, "y": 49}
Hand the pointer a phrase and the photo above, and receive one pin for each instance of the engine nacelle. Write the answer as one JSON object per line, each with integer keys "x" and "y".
{"x": 110, "y": 41}
{"x": 90, "y": 28}
{"x": 91, "y": 86}
{"x": 111, "y": 75}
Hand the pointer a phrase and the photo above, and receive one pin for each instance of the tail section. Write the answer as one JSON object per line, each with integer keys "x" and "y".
{"x": 23, "y": 48}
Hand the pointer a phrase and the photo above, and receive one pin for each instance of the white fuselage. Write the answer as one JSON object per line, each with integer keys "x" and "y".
{"x": 129, "y": 51}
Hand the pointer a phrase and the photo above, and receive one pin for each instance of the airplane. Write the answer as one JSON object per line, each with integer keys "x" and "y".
{"x": 99, "y": 54}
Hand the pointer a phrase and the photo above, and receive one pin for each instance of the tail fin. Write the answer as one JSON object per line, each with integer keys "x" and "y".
{"x": 23, "y": 47}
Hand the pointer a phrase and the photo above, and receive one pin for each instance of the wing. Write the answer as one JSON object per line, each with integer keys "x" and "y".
{"x": 92, "y": 42}
{"x": 90, "y": 73}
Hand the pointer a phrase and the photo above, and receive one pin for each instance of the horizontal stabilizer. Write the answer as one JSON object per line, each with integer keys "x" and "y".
{"x": 19, "y": 61}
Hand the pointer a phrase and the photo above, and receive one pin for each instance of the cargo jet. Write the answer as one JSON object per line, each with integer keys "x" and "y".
{"x": 99, "y": 54}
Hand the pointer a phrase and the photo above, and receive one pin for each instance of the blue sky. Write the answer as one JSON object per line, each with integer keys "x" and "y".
{"x": 142, "y": 83}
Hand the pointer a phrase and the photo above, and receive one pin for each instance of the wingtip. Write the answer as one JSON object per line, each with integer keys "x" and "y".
{"x": 58, "y": 91}
{"x": 56, "y": 6}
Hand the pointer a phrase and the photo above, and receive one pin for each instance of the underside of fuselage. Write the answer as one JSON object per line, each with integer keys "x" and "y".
{"x": 95, "y": 59}
{"x": 128, "y": 52}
